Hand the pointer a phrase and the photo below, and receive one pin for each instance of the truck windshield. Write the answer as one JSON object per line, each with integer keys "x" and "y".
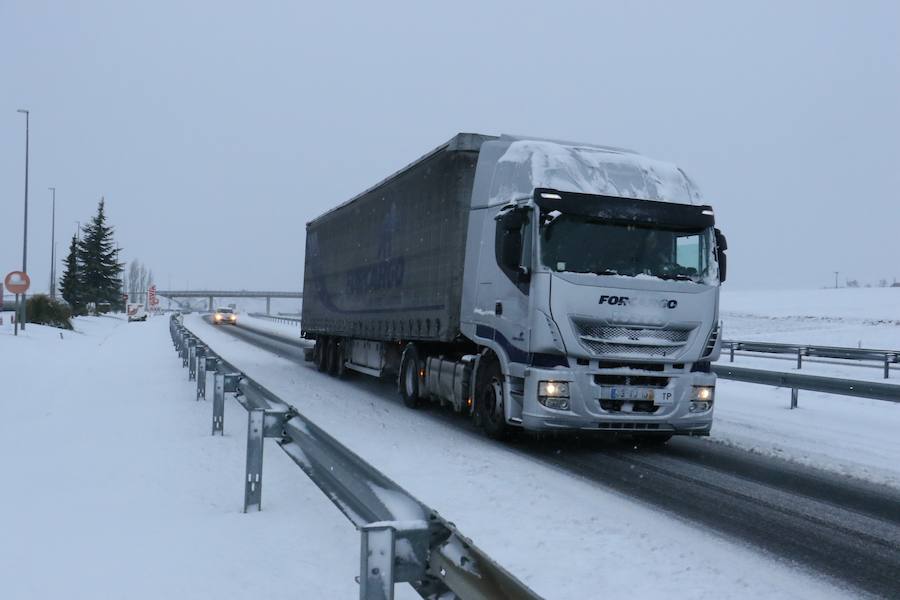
{"x": 579, "y": 244}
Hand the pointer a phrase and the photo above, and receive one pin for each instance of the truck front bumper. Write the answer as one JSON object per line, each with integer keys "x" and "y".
{"x": 589, "y": 410}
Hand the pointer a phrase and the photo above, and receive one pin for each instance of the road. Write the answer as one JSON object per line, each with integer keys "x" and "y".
{"x": 845, "y": 529}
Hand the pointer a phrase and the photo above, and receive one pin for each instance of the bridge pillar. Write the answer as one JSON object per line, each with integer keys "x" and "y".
{"x": 268, "y": 304}
{"x": 210, "y": 303}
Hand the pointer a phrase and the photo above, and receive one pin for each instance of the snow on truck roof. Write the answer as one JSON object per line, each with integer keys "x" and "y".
{"x": 532, "y": 162}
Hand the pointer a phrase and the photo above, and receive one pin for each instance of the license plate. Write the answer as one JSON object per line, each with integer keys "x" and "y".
{"x": 637, "y": 393}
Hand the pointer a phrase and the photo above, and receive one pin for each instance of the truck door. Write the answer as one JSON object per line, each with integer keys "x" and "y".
{"x": 503, "y": 291}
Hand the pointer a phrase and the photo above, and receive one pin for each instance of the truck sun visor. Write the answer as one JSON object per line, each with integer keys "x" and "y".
{"x": 628, "y": 211}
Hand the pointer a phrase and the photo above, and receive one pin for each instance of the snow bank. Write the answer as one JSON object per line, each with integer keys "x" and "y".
{"x": 290, "y": 331}
{"x": 114, "y": 487}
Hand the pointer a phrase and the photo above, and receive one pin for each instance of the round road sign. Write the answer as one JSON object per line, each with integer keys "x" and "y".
{"x": 17, "y": 282}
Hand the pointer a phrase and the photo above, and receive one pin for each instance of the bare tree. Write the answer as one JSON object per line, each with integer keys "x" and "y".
{"x": 139, "y": 280}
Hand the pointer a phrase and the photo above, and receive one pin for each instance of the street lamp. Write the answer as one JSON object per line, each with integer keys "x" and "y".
{"x": 25, "y": 227}
{"x": 53, "y": 247}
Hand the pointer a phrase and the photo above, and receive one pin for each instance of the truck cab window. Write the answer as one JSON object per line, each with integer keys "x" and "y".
{"x": 513, "y": 246}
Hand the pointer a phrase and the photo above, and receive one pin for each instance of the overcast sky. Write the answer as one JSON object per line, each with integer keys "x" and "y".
{"x": 215, "y": 130}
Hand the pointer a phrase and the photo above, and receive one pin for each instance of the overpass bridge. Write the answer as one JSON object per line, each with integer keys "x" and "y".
{"x": 211, "y": 295}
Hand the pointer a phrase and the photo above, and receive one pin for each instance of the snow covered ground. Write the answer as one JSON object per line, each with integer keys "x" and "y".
{"x": 867, "y": 317}
{"x": 115, "y": 489}
{"x": 289, "y": 330}
{"x": 566, "y": 526}
{"x": 852, "y": 436}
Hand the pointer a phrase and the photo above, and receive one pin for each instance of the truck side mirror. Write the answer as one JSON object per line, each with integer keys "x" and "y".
{"x": 721, "y": 258}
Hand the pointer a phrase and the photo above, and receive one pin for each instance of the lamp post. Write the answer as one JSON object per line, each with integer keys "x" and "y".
{"x": 25, "y": 226}
{"x": 53, "y": 246}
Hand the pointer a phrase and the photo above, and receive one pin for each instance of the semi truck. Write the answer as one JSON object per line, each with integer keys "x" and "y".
{"x": 529, "y": 283}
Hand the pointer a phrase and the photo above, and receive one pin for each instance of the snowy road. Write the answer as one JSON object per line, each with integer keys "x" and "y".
{"x": 845, "y": 530}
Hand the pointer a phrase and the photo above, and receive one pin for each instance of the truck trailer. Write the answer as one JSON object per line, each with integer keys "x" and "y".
{"x": 529, "y": 283}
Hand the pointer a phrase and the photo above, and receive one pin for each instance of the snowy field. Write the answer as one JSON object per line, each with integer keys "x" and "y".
{"x": 852, "y": 436}
{"x": 115, "y": 489}
{"x": 866, "y": 317}
{"x": 119, "y": 491}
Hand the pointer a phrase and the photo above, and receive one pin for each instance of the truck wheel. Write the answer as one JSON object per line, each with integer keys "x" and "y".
{"x": 339, "y": 360}
{"x": 331, "y": 356}
{"x": 490, "y": 401}
{"x": 408, "y": 382}
{"x": 321, "y": 354}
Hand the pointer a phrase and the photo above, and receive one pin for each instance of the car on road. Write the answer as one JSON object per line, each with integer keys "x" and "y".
{"x": 224, "y": 315}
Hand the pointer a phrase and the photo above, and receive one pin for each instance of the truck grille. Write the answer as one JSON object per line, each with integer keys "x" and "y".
{"x": 603, "y": 339}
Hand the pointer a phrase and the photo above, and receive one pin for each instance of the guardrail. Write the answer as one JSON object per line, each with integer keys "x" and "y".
{"x": 402, "y": 540}
{"x": 887, "y": 357}
{"x": 276, "y": 318}
{"x": 813, "y": 383}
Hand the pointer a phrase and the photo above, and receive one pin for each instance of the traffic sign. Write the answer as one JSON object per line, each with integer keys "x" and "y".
{"x": 17, "y": 282}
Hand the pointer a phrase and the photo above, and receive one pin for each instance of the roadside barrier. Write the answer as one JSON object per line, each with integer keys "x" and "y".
{"x": 814, "y": 383}
{"x": 886, "y": 357}
{"x": 402, "y": 539}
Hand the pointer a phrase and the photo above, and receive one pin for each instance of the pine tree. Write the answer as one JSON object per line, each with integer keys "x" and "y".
{"x": 100, "y": 269}
{"x": 69, "y": 284}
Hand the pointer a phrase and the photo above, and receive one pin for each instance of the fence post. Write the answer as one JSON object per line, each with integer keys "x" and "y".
{"x": 186, "y": 350}
{"x": 255, "y": 437}
{"x": 376, "y": 568}
{"x": 192, "y": 361}
{"x": 218, "y": 419}
{"x": 201, "y": 372}
{"x": 794, "y": 394}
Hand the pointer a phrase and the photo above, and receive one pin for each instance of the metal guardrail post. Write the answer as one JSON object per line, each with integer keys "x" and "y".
{"x": 218, "y": 419}
{"x": 185, "y": 350}
{"x": 201, "y": 371}
{"x": 260, "y": 425}
{"x": 799, "y": 358}
{"x": 795, "y": 393}
{"x": 253, "y": 481}
{"x": 377, "y": 558}
{"x": 209, "y": 363}
{"x": 192, "y": 360}
{"x": 732, "y": 353}
{"x": 887, "y": 366}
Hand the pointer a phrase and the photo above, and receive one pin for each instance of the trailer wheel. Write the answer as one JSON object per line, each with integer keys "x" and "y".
{"x": 408, "y": 382}
{"x": 490, "y": 401}
{"x": 338, "y": 367}
{"x": 321, "y": 354}
{"x": 331, "y": 356}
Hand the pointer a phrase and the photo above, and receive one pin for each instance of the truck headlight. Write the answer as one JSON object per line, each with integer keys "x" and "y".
{"x": 702, "y": 398}
{"x": 554, "y": 394}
